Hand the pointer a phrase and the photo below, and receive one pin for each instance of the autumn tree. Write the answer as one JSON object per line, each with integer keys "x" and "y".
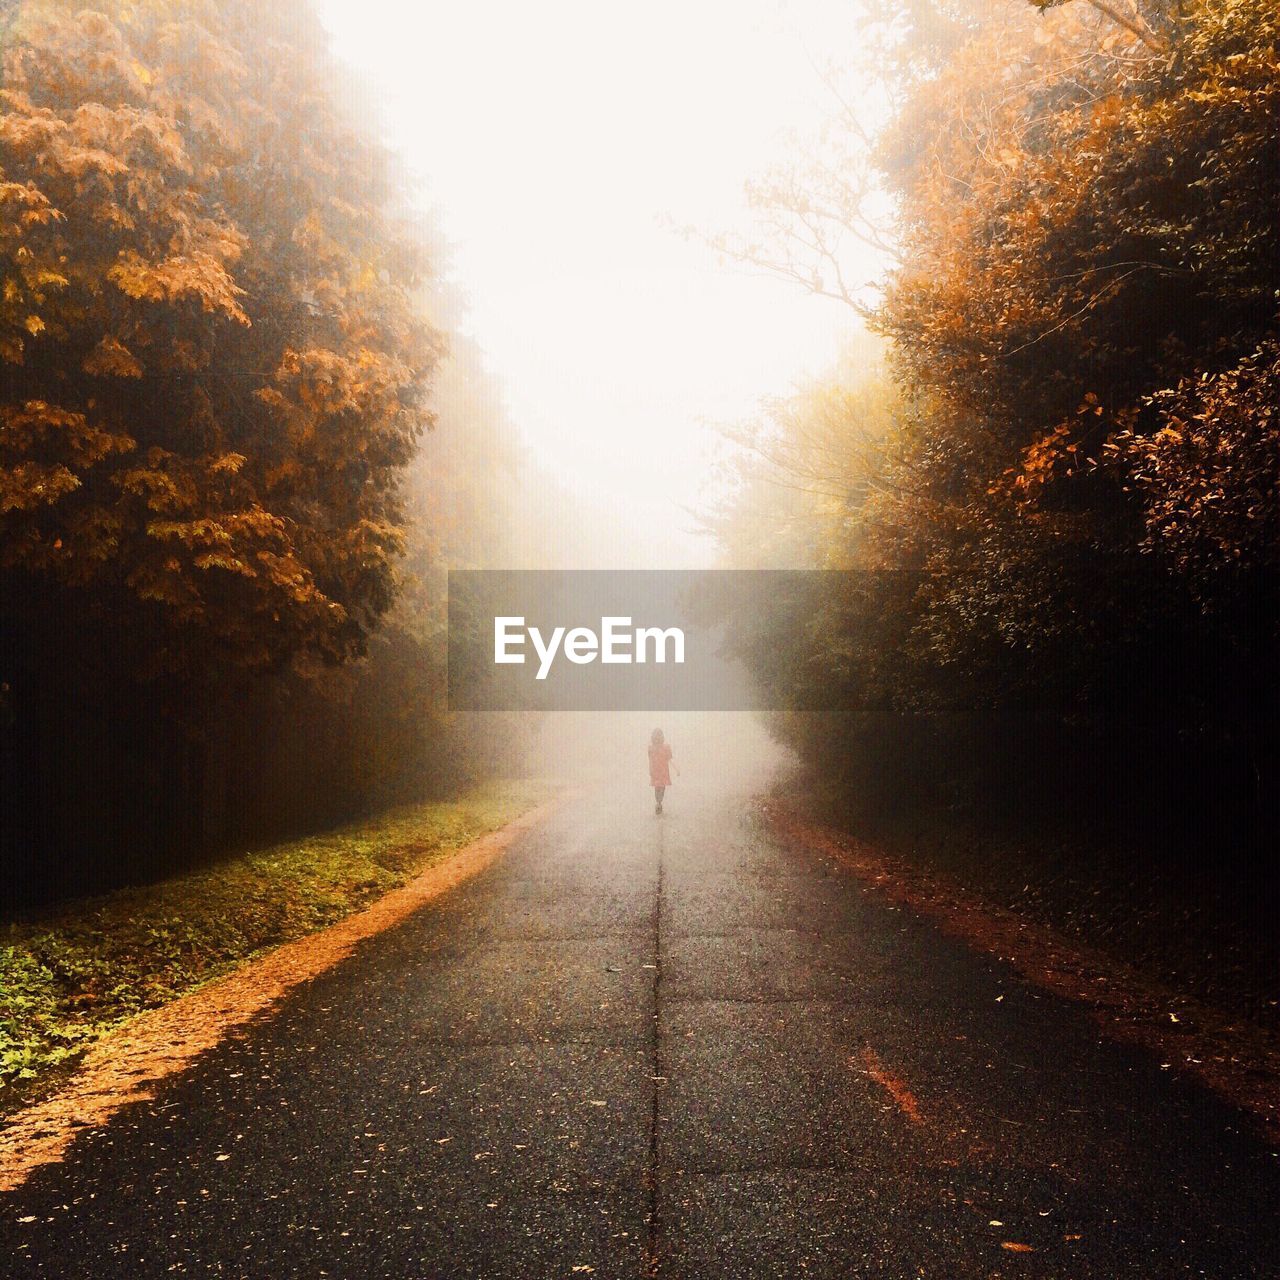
{"x": 212, "y": 375}
{"x": 213, "y": 368}
{"x": 1082, "y": 323}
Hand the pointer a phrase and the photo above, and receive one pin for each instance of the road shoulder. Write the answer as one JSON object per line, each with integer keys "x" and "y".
{"x": 124, "y": 1065}
{"x": 1238, "y": 1061}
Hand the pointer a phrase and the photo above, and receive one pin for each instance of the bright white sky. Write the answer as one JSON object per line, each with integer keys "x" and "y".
{"x": 550, "y": 138}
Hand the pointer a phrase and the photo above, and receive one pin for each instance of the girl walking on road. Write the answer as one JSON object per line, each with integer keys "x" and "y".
{"x": 659, "y": 767}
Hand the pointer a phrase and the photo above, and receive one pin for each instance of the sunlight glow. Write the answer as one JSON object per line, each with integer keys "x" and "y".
{"x": 552, "y": 140}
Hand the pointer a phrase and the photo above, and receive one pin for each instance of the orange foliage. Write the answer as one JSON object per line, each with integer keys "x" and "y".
{"x": 214, "y": 364}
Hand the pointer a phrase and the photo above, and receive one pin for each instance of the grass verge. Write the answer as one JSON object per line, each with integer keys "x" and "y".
{"x": 1185, "y": 909}
{"x": 1188, "y": 924}
{"x": 71, "y": 973}
{"x": 1237, "y": 1058}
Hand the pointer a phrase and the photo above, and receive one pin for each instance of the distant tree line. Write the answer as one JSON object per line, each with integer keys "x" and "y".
{"x": 1063, "y": 473}
{"x": 220, "y": 324}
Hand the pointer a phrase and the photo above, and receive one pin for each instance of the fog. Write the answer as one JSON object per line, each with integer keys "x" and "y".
{"x": 555, "y": 147}
{"x": 713, "y": 752}
{"x": 254, "y": 251}
{"x": 552, "y": 142}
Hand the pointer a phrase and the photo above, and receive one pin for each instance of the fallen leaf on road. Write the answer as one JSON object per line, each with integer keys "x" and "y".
{"x": 121, "y": 1067}
{"x": 902, "y": 1096}
{"x": 1014, "y": 1247}
{"x": 222, "y": 1157}
{"x": 1127, "y": 1010}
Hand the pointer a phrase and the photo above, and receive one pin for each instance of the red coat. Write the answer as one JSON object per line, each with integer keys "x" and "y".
{"x": 660, "y": 764}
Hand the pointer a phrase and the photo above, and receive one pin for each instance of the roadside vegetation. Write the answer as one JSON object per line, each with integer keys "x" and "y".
{"x": 1053, "y": 475}
{"x": 1175, "y": 919}
{"x": 71, "y": 973}
{"x": 241, "y": 438}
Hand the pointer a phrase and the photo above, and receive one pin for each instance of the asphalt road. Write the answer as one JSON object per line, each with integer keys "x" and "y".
{"x": 641, "y": 1045}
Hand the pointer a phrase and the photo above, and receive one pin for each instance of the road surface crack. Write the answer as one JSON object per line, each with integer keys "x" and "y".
{"x": 656, "y": 1067}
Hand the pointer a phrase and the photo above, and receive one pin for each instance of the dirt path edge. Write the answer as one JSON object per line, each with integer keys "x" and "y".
{"x": 1237, "y": 1060}
{"x": 125, "y": 1065}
